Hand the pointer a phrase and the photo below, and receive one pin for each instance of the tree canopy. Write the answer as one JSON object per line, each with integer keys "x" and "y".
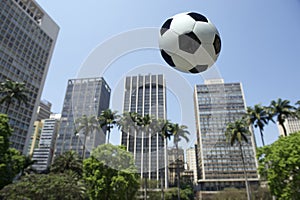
{"x": 280, "y": 164}
{"x": 44, "y": 187}
{"x": 110, "y": 173}
{"x": 11, "y": 160}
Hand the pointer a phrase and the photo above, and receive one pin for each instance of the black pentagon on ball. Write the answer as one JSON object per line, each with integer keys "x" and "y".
{"x": 166, "y": 26}
{"x": 167, "y": 58}
{"x": 217, "y": 44}
{"x": 197, "y": 17}
{"x": 198, "y": 69}
{"x": 189, "y": 42}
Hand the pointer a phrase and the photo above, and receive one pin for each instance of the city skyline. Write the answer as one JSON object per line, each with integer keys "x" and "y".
{"x": 259, "y": 48}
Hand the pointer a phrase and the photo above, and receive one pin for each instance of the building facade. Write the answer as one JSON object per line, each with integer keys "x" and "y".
{"x": 146, "y": 95}
{"x": 220, "y": 164}
{"x": 291, "y": 124}
{"x": 84, "y": 96}
{"x": 27, "y": 39}
{"x": 175, "y": 162}
{"x": 44, "y": 153}
{"x": 191, "y": 162}
{"x": 34, "y": 137}
{"x": 44, "y": 110}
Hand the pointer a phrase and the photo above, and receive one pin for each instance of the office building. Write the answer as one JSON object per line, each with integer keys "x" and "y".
{"x": 191, "y": 162}
{"x": 84, "y": 96}
{"x": 44, "y": 110}
{"x": 220, "y": 164}
{"x": 44, "y": 153}
{"x": 27, "y": 40}
{"x": 291, "y": 124}
{"x": 146, "y": 95}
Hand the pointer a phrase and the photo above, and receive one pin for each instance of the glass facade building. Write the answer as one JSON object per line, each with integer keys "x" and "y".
{"x": 220, "y": 164}
{"x": 85, "y": 96}
{"x": 146, "y": 94}
{"x": 27, "y": 39}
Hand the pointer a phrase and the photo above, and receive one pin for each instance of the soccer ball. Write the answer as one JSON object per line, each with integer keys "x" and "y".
{"x": 189, "y": 42}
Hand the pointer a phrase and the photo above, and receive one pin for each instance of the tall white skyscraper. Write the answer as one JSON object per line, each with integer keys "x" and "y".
{"x": 146, "y": 94}
{"x": 220, "y": 164}
{"x": 27, "y": 40}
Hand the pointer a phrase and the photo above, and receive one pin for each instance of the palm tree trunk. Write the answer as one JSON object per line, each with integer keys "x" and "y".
{"x": 245, "y": 173}
{"x": 284, "y": 129}
{"x": 178, "y": 172}
{"x": 7, "y": 108}
{"x": 108, "y": 136}
{"x": 166, "y": 163}
{"x": 262, "y": 137}
{"x": 83, "y": 148}
{"x": 162, "y": 187}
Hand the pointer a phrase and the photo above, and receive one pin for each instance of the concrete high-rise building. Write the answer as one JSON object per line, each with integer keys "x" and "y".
{"x": 44, "y": 110}
{"x": 44, "y": 153}
{"x": 291, "y": 124}
{"x": 146, "y": 94}
{"x": 84, "y": 96}
{"x": 192, "y": 162}
{"x": 27, "y": 40}
{"x": 220, "y": 164}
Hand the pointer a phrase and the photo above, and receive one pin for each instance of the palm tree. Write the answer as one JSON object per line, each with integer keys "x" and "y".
{"x": 145, "y": 122}
{"x": 282, "y": 110}
{"x": 163, "y": 128}
{"x": 258, "y": 117}
{"x": 108, "y": 119}
{"x": 69, "y": 161}
{"x": 86, "y": 125}
{"x": 11, "y": 91}
{"x": 128, "y": 123}
{"x": 179, "y": 132}
{"x": 237, "y": 132}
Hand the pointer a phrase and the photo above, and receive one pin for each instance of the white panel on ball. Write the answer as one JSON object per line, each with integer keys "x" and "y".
{"x": 182, "y": 24}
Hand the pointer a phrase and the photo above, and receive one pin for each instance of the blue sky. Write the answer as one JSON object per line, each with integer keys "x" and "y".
{"x": 260, "y": 43}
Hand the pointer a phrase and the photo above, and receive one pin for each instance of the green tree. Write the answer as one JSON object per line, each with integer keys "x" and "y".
{"x": 283, "y": 171}
{"x": 236, "y": 132}
{"x": 108, "y": 119}
{"x": 68, "y": 161}
{"x": 86, "y": 126}
{"x": 258, "y": 117}
{"x": 5, "y": 133}
{"x": 44, "y": 187}
{"x": 179, "y": 132}
{"x": 110, "y": 173}
{"x": 11, "y": 91}
{"x": 10, "y": 167}
{"x": 282, "y": 110}
{"x": 11, "y": 160}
